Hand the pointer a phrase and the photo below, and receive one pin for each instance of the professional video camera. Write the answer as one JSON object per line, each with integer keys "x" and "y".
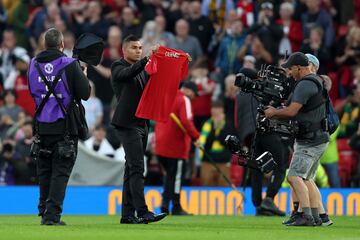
{"x": 270, "y": 84}
{"x": 271, "y": 87}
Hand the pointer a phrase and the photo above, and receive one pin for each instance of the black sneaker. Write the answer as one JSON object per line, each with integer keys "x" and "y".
{"x": 269, "y": 205}
{"x": 318, "y": 221}
{"x": 179, "y": 211}
{"x": 262, "y": 212}
{"x": 129, "y": 220}
{"x": 53, "y": 223}
{"x": 303, "y": 220}
{"x": 150, "y": 217}
{"x": 326, "y": 221}
{"x": 292, "y": 218}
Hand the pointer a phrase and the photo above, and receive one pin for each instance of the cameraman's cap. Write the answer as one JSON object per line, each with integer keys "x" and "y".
{"x": 190, "y": 85}
{"x": 313, "y": 60}
{"x": 267, "y": 5}
{"x": 296, "y": 59}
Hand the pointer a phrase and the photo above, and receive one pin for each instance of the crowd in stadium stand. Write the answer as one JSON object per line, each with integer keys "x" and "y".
{"x": 221, "y": 36}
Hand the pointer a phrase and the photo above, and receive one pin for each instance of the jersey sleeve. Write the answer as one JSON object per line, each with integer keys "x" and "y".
{"x": 185, "y": 116}
{"x": 151, "y": 66}
{"x": 185, "y": 68}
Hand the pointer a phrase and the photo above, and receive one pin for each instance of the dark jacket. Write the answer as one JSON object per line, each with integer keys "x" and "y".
{"x": 79, "y": 88}
{"x": 128, "y": 81}
{"x": 245, "y": 115}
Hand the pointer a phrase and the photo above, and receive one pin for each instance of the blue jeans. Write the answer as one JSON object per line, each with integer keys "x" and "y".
{"x": 332, "y": 170}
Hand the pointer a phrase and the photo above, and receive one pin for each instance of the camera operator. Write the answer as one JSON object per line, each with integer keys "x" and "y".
{"x": 307, "y": 106}
{"x": 55, "y": 82}
{"x": 246, "y": 111}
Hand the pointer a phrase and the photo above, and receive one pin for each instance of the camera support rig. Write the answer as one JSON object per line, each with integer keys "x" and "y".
{"x": 269, "y": 86}
{"x": 264, "y": 163}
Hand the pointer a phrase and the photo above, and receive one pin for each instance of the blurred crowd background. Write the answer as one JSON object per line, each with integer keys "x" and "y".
{"x": 221, "y": 36}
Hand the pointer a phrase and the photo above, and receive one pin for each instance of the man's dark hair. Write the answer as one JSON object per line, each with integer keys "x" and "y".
{"x": 53, "y": 38}
{"x": 100, "y": 127}
{"x": 9, "y": 91}
{"x": 130, "y": 38}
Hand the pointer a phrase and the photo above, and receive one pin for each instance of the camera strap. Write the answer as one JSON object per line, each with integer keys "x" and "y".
{"x": 51, "y": 90}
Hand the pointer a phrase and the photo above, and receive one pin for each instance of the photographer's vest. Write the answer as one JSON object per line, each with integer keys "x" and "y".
{"x": 51, "y": 111}
{"x": 314, "y": 102}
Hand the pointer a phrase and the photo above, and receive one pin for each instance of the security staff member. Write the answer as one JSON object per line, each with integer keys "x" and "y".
{"x": 56, "y": 133}
{"x": 307, "y": 106}
{"x": 128, "y": 81}
{"x": 246, "y": 114}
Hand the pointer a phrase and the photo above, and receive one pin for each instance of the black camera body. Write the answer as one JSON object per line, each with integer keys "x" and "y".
{"x": 67, "y": 148}
{"x": 271, "y": 84}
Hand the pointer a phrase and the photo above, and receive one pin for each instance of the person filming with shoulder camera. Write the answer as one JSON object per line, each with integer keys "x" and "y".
{"x": 55, "y": 83}
{"x": 307, "y": 106}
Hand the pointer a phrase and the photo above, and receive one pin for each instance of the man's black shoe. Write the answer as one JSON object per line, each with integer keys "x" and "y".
{"x": 269, "y": 205}
{"x": 129, "y": 220}
{"x": 179, "y": 211}
{"x": 151, "y": 217}
{"x": 326, "y": 221}
{"x": 262, "y": 212}
{"x": 53, "y": 223}
{"x": 164, "y": 210}
{"x": 303, "y": 220}
{"x": 292, "y": 218}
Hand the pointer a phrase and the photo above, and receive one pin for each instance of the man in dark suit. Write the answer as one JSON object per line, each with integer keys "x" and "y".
{"x": 128, "y": 81}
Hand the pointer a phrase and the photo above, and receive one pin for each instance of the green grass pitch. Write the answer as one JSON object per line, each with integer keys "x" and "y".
{"x": 195, "y": 227}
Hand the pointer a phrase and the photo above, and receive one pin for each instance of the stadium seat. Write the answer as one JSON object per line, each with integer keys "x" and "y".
{"x": 343, "y": 144}
{"x": 344, "y": 178}
{"x": 334, "y": 91}
{"x": 348, "y": 161}
{"x": 236, "y": 174}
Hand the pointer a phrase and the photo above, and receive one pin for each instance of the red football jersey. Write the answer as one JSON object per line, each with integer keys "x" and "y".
{"x": 167, "y": 68}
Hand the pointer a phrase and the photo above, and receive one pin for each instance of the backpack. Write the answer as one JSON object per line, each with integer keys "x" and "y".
{"x": 332, "y": 118}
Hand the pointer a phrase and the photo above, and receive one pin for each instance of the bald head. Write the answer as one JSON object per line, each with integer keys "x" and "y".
{"x": 182, "y": 28}
{"x": 114, "y": 36}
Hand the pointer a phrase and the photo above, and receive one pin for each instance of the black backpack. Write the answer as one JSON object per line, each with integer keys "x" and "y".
{"x": 332, "y": 118}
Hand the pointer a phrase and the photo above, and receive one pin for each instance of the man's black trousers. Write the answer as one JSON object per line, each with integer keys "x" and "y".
{"x": 269, "y": 142}
{"x": 134, "y": 141}
{"x": 174, "y": 169}
{"x": 53, "y": 173}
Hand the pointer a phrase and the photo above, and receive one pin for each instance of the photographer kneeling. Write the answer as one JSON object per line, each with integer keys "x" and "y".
{"x": 307, "y": 106}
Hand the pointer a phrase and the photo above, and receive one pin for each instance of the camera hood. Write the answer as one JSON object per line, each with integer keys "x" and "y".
{"x": 89, "y": 48}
